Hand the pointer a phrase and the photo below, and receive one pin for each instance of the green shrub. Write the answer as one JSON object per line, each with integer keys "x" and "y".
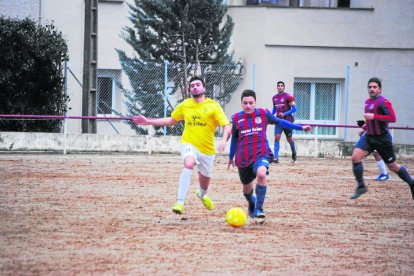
{"x": 31, "y": 77}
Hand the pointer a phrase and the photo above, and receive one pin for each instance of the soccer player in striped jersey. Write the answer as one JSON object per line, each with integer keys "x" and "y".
{"x": 250, "y": 148}
{"x": 378, "y": 113}
{"x": 283, "y": 107}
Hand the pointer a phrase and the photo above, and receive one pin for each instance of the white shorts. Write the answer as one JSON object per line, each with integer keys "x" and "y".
{"x": 204, "y": 162}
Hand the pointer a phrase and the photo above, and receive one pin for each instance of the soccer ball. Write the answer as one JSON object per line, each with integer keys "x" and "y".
{"x": 236, "y": 217}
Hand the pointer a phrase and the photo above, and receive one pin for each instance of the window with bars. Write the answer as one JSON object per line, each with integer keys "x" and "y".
{"x": 108, "y": 95}
{"x": 105, "y": 94}
{"x": 318, "y": 102}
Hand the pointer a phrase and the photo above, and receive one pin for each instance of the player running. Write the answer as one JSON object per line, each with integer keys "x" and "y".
{"x": 250, "y": 147}
{"x": 378, "y": 113}
{"x": 201, "y": 116}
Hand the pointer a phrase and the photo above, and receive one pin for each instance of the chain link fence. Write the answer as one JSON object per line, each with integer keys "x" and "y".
{"x": 335, "y": 98}
{"x": 155, "y": 89}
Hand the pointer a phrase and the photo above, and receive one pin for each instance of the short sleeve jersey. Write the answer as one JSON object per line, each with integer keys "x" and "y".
{"x": 281, "y": 103}
{"x": 200, "y": 122}
{"x": 383, "y": 114}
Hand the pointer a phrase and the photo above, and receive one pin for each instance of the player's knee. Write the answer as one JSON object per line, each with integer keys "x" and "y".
{"x": 189, "y": 162}
{"x": 358, "y": 155}
{"x": 356, "y": 159}
{"x": 189, "y": 165}
{"x": 394, "y": 167}
{"x": 261, "y": 176}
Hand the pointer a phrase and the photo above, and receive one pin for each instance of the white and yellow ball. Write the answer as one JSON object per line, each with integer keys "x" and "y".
{"x": 236, "y": 217}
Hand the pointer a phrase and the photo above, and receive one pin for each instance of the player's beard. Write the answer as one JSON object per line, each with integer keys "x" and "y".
{"x": 198, "y": 95}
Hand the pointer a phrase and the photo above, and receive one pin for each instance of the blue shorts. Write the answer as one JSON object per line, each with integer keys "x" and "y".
{"x": 288, "y": 132}
{"x": 380, "y": 143}
{"x": 248, "y": 174}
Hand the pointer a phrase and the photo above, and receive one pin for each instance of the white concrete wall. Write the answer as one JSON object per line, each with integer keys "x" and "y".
{"x": 112, "y": 18}
{"x": 68, "y": 17}
{"x": 21, "y": 9}
{"x": 57, "y": 142}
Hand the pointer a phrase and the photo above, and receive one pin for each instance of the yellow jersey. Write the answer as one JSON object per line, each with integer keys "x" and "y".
{"x": 200, "y": 123}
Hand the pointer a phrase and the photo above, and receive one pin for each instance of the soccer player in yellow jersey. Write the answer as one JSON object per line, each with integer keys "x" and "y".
{"x": 201, "y": 116}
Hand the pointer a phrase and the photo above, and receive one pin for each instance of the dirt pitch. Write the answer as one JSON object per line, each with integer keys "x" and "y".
{"x": 111, "y": 214}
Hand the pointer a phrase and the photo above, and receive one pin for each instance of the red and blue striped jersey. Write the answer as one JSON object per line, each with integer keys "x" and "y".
{"x": 281, "y": 103}
{"x": 383, "y": 114}
{"x": 249, "y": 140}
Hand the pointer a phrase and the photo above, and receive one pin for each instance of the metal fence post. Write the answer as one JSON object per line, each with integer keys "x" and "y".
{"x": 149, "y": 138}
{"x": 64, "y": 135}
{"x": 165, "y": 92}
{"x": 316, "y": 142}
{"x": 65, "y": 92}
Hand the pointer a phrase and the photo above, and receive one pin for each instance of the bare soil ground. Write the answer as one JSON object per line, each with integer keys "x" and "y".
{"x": 111, "y": 214}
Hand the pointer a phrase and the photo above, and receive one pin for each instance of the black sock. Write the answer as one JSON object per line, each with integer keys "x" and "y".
{"x": 249, "y": 199}
{"x": 403, "y": 174}
{"x": 358, "y": 170}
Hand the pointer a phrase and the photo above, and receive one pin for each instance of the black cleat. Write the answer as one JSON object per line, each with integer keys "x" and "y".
{"x": 293, "y": 157}
{"x": 260, "y": 213}
{"x": 275, "y": 160}
{"x": 359, "y": 192}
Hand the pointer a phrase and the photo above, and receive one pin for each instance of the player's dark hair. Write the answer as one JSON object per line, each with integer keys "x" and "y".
{"x": 248, "y": 93}
{"x": 193, "y": 78}
{"x": 376, "y": 80}
{"x": 280, "y": 82}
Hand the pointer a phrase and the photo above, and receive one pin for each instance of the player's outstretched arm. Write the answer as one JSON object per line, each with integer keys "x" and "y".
{"x": 142, "y": 120}
{"x": 307, "y": 128}
{"x": 286, "y": 124}
{"x": 226, "y": 136}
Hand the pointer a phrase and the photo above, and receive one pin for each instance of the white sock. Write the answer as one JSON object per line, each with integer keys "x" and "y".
{"x": 201, "y": 192}
{"x": 184, "y": 184}
{"x": 381, "y": 167}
